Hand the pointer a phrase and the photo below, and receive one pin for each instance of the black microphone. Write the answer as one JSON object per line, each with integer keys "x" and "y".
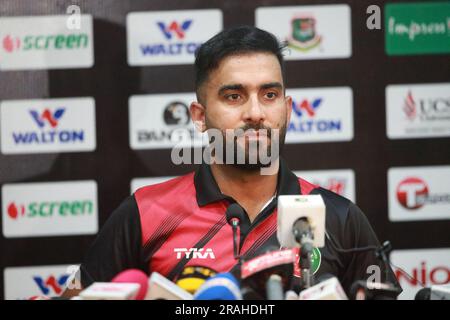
{"x": 234, "y": 215}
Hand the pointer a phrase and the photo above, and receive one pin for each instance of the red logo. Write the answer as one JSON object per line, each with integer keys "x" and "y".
{"x": 409, "y": 107}
{"x": 412, "y": 193}
{"x": 438, "y": 275}
{"x": 14, "y": 211}
{"x": 10, "y": 44}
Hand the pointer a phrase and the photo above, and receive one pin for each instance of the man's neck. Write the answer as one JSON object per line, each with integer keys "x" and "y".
{"x": 249, "y": 188}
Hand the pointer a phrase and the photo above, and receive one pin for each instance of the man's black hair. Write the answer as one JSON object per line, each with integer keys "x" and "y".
{"x": 238, "y": 40}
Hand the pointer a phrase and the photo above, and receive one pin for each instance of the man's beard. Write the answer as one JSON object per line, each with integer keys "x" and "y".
{"x": 251, "y": 159}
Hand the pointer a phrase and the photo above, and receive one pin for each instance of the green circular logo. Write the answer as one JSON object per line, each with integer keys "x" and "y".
{"x": 316, "y": 259}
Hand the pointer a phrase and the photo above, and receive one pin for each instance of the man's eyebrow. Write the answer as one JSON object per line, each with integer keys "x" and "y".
{"x": 272, "y": 85}
{"x": 226, "y": 87}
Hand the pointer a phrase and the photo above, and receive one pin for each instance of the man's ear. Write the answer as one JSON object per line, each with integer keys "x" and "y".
{"x": 198, "y": 116}
{"x": 288, "y": 102}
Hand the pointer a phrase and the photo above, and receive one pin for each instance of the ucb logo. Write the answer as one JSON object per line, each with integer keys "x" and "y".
{"x": 194, "y": 253}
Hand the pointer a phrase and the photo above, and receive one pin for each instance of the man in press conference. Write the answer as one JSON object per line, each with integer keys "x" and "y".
{"x": 239, "y": 86}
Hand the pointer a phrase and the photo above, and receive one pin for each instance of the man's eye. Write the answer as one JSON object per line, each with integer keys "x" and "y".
{"x": 271, "y": 95}
{"x": 233, "y": 96}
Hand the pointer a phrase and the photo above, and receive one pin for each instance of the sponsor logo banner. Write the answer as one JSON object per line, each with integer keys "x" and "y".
{"x": 418, "y": 110}
{"x": 419, "y": 193}
{"x": 417, "y": 28}
{"x": 427, "y": 267}
{"x": 47, "y": 125}
{"x": 49, "y": 209}
{"x": 162, "y": 121}
{"x": 45, "y": 42}
{"x": 320, "y": 114}
{"x": 169, "y": 37}
{"x": 26, "y": 282}
{"x": 311, "y": 32}
{"x": 137, "y": 183}
{"x": 341, "y": 182}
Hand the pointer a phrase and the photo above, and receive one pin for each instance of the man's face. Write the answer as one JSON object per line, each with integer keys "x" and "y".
{"x": 246, "y": 91}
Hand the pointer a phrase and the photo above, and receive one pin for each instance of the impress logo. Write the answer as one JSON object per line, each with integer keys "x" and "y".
{"x": 311, "y": 32}
{"x": 169, "y": 37}
{"x": 320, "y": 114}
{"x": 174, "y": 29}
{"x": 412, "y": 197}
{"x": 418, "y": 110}
{"x": 49, "y": 209}
{"x": 60, "y": 125}
{"x": 426, "y": 267}
{"x": 51, "y": 285}
{"x": 45, "y": 43}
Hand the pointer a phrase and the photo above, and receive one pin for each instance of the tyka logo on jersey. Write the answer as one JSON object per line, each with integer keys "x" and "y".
{"x": 194, "y": 253}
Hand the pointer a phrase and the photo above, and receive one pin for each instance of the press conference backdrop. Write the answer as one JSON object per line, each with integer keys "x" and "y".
{"x": 88, "y": 104}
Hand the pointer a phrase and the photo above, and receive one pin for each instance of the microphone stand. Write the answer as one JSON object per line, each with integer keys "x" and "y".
{"x": 304, "y": 237}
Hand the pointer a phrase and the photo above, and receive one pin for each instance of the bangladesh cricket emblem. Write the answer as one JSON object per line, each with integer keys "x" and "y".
{"x": 303, "y": 36}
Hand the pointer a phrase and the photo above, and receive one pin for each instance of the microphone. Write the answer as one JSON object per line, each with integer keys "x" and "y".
{"x": 270, "y": 274}
{"x": 193, "y": 277}
{"x": 128, "y": 285}
{"x": 222, "y": 286}
{"x": 235, "y": 215}
{"x": 134, "y": 276}
{"x": 437, "y": 292}
{"x": 328, "y": 288}
{"x": 301, "y": 223}
{"x": 366, "y": 290}
{"x": 161, "y": 288}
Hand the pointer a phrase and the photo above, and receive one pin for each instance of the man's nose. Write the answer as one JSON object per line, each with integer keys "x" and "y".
{"x": 254, "y": 111}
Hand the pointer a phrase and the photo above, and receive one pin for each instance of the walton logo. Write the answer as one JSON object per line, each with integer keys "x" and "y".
{"x": 47, "y": 116}
{"x": 48, "y": 119}
{"x": 51, "y": 283}
{"x": 304, "y": 125}
{"x": 194, "y": 253}
{"x": 412, "y": 192}
{"x": 306, "y": 106}
{"x": 15, "y": 211}
{"x": 10, "y": 44}
{"x": 303, "y": 36}
{"x": 174, "y": 29}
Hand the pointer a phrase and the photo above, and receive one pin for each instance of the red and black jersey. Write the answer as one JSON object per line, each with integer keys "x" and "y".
{"x": 161, "y": 226}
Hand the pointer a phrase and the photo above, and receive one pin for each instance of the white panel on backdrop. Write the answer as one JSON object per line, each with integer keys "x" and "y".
{"x": 49, "y": 209}
{"x": 137, "y": 183}
{"x": 340, "y": 181}
{"x": 47, "y": 125}
{"x": 169, "y": 37}
{"x": 311, "y": 32}
{"x": 418, "y": 110}
{"x": 45, "y": 42}
{"x": 419, "y": 193}
{"x": 26, "y": 282}
{"x": 426, "y": 266}
{"x": 320, "y": 115}
{"x": 155, "y": 117}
